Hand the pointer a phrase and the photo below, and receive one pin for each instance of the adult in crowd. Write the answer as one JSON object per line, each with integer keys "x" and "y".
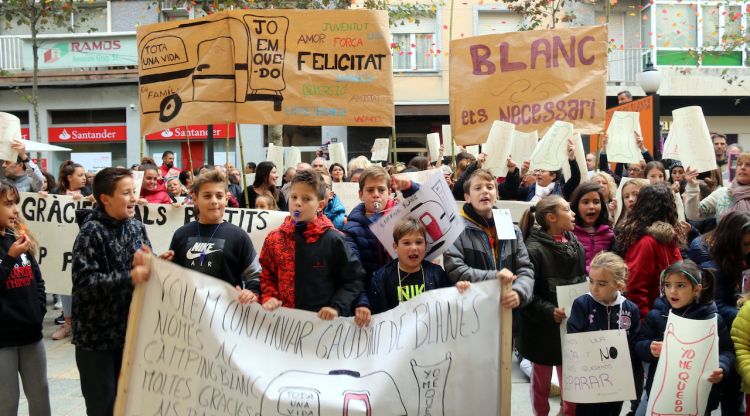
{"x": 23, "y": 173}
{"x": 624, "y": 97}
{"x": 590, "y": 164}
{"x": 167, "y": 164}
{"x": 337, "y": 172}
{"x": 250, "y": 167}
{"x": 265, "y": 181}
{"x": 735, "y": 197}
{"x": 235, "y": 183}
{"x": 286, "y": 182}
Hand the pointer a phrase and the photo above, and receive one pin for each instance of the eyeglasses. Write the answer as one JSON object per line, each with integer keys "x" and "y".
{"x": 635, "y": 170}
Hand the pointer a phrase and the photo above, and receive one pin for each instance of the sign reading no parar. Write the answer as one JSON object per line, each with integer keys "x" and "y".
{"x": 530, "y": 79}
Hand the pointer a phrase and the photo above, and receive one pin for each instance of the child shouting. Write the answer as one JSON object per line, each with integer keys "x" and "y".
{"x": 306, "y": 264}
{"x": 410, "y": 274}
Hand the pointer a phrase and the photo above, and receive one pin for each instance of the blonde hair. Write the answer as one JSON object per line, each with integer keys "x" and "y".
{"x": 611, "y": 185}
{"x": 613, "y": 264}
{"x": 270, "y": 200}
{"x": 359, "y": 162}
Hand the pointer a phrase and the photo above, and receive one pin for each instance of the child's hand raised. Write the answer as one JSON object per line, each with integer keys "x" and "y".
{"x": 400, "y": 183}
{"x": 656, "y": 348}
{"x": 362, "y": 316}
{"x": 327, "y": 313}
{"x": 272, "y": 304}
{"x": 716, "y": 376}
{"x": 463, "y": 286}
{"x": 20, "y": 246}
{"x": 559, "y": 314}
{"x": 245, "y": 296}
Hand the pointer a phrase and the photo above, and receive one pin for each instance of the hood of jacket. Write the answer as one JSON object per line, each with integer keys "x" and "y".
{"x": 662, "y": 232}
{"x": 694, "y": 310}
{"x": 312, "y": 230}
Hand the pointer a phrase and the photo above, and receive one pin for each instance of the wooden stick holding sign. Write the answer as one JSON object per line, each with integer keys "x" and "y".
{"x": 506, "y": 353}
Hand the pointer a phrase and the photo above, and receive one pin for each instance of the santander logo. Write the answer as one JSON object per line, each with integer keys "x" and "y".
{"x": 167, "y": 133}
{"x": 64, "y": 135}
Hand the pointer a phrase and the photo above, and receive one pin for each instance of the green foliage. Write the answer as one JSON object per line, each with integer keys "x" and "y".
{"x": 38, "y": 14}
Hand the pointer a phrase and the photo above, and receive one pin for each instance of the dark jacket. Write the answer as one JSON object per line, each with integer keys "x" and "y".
{"x": 23, "y": 301}
{"x": 726, "y": 294}
{"x": 102, "y": 289}
{"x": 621, "y": 169}
{"x": 655, "y": 325}
{"x": 555, "y": 264}
{"x": 386, "y": 280}
{"x": 365, "y": 245}
{"x": 309, "y": 266}
{"x": 470, "y": 258}
{"x": 563, "y": 186}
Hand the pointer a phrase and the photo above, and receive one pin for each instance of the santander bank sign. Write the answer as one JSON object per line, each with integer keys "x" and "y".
{"x": 87, "y": 134}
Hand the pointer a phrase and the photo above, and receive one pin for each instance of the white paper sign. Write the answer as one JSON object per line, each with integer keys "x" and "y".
{"x": 380, "y": 149}
{"x": 276, "y": 155}
{"x": 250, "y": 179}
{"x": 421, "y": 176}
{"x": 689, "y": 140}
{"x": 498, "y": 147}
{"x": 433, "y": 206}
{"x": 552, "y": 152}
{"x": 621, "y": 146}
{"x": 52, "y": 220}
{"x": 597, "y": 367}
{"x": 138, "y": 180}
{"x": 92, "y": 161}
{"x": 504, "y": 224}
{"x": 288, "y": 362}
{"x": 580, "y": 154}
{"x": 524, "y": 144}
{"x": 473, "y": 150}
{"x": 566, "y": 295}
{"x": 10, "y": 129}
{"x": 348, "y": 193}
{"x": 337, "y": 154}
{"x": 448, "y": 140}
{"x": 433, "y": 146}
{"x": 689, "y": 354}
{"x": 292, "y": 157}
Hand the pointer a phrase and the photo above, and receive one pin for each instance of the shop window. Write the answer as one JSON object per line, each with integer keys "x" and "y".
{"x": 176, "y": 13}
{"x": 88, "y": 116}
{"x": 497, "y": 21}
{"x": 414, "y": 46}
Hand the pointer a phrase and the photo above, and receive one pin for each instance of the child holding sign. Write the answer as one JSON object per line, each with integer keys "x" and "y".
{"x": 605, "y": 308}
{"x": 23, "y": 303}
{"x": 307, "y": 264}
{"x": 687, "y": 292}
{"x": 409, "y": 275}
{"x": 558, "y": 260}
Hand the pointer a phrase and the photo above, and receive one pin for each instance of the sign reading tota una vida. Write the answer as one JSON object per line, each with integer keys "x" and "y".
{"x": 80, "y": 134}
{"x": 193, "y": 132}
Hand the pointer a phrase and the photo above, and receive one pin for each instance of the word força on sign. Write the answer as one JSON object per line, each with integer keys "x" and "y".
{"x": 550, "y": 52}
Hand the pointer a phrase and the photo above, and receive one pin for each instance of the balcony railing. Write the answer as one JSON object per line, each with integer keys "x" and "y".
{"x": 11, "y": 53}
{"x": 624, "y": 66}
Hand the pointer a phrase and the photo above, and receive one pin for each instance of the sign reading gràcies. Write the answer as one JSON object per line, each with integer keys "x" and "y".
{"x": 302, "y": 67}
{"x": 530, "y": 79}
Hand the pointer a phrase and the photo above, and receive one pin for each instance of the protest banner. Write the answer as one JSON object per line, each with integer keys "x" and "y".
{"x": 292, "y": 157}
{"x": 689, "y": 354}
{"x": 621, "y": 146}
{"x": 281, "y": 66}
{"x": 552, "y": 152}
{"x": 597, "y": 367}
{"x": 529, "y": 79}
{"x": 337, "y": 154}
{"x": 645, "y": 109}
{"x": 524, "y": 145}
{"x": 580, "y": 155}
{"x": 689, "y": 140}
{"x": 138, "y": 181}
{"x": 447, "y": 140}
{"x": 433, "y": 206}
{"x": 275, "y": 154}
{"x": 566, "y": 295}
{"x": 433, "y": 146}
{"x": 497, "y": 148}
{"x": 380, "y": 150}
{"x": 52, "y": 220}
{"x": 348, "y": 193}
{"x": 10, "y": 129}
{"x": 191, "y": 348}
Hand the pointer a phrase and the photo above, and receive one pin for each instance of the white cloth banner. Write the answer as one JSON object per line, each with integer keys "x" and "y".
{"x": 192, "y": 349}
{"x": 524, "y": 145}
{"x": 337, "y": 154}
{"x": 498, "y": 147}
{"x": 621, "y": 146}
{"x": 348, "y": 193}
{"x": 447, "y": 140}
{"x": 52, "y": 221}
{"x": 580, "y": 155}
{"x": 689, "y": 354}
{"x": 551, "y": 154}
{"x": 432, "y": 205}
{"x": 433, "y": 146}
{"x": 689, "y": 140}
{"x": 566, "y": 295}
{"x": 380, "y": 149}
{"x": 597, "y": 367}
{"x": 276, "y": 155}
{"x": 292, "y": 157}
{"x": 10, "y": 129}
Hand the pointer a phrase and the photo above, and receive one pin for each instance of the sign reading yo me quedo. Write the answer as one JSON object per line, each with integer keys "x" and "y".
{"x": 530, "y": 79}
{"x": 302, "y": 67}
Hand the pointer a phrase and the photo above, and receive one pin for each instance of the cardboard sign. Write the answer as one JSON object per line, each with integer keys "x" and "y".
{"x": 689, "y": 140}
{"x": 530, "y": 79}
{"x": 498, "y": 147}
{"x": 432, "y": 205}
{"x": 292, "y": 157}
{"x": 621, "y": 146}
{"x": 524, "y": 145}
{"x": 433, "y": 146}
{"x": 52, "y": 220}
{"x": 448, "y": 140}
{"x": 566, "y": 295}
{"x": 10, "y": 129}
{"x": 380, "y": 150}
{"x": 689, "y": 354}
{"x": 337, "y": 154}
{"x": 281, "y": 66}
{"x": 552, "y": 152}
{"x": 597, "y": 367}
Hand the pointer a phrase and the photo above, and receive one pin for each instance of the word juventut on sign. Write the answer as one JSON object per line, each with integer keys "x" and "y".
{"x": 530, "y": 79}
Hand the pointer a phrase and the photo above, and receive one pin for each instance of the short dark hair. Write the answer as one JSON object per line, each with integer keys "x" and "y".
{"x": 406, "y": 226}
{"x": 312, "y": 179}
{"x": 167, "y": 153}
{"x": 626, "y": 92}
{"x": 147, "y": 166}
{"x": 464, "y": 155}
{"x": 105, "y": 182}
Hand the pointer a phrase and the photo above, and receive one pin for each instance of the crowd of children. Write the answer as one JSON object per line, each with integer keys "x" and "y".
{"x": 631, "y": 246}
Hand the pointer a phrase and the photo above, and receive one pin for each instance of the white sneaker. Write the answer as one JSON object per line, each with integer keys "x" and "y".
{"x": 58, "y": 304}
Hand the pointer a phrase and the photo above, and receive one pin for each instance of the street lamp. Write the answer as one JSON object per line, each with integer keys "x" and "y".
{"x": 650, "y": 82}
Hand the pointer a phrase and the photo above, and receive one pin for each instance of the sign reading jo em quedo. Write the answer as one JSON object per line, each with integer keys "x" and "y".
{"x": 530, "y": 79}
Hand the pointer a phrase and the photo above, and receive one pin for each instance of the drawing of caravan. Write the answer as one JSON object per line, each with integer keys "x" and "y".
{"x": 340, "y": 392}
{"x": 232, "y": 60}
